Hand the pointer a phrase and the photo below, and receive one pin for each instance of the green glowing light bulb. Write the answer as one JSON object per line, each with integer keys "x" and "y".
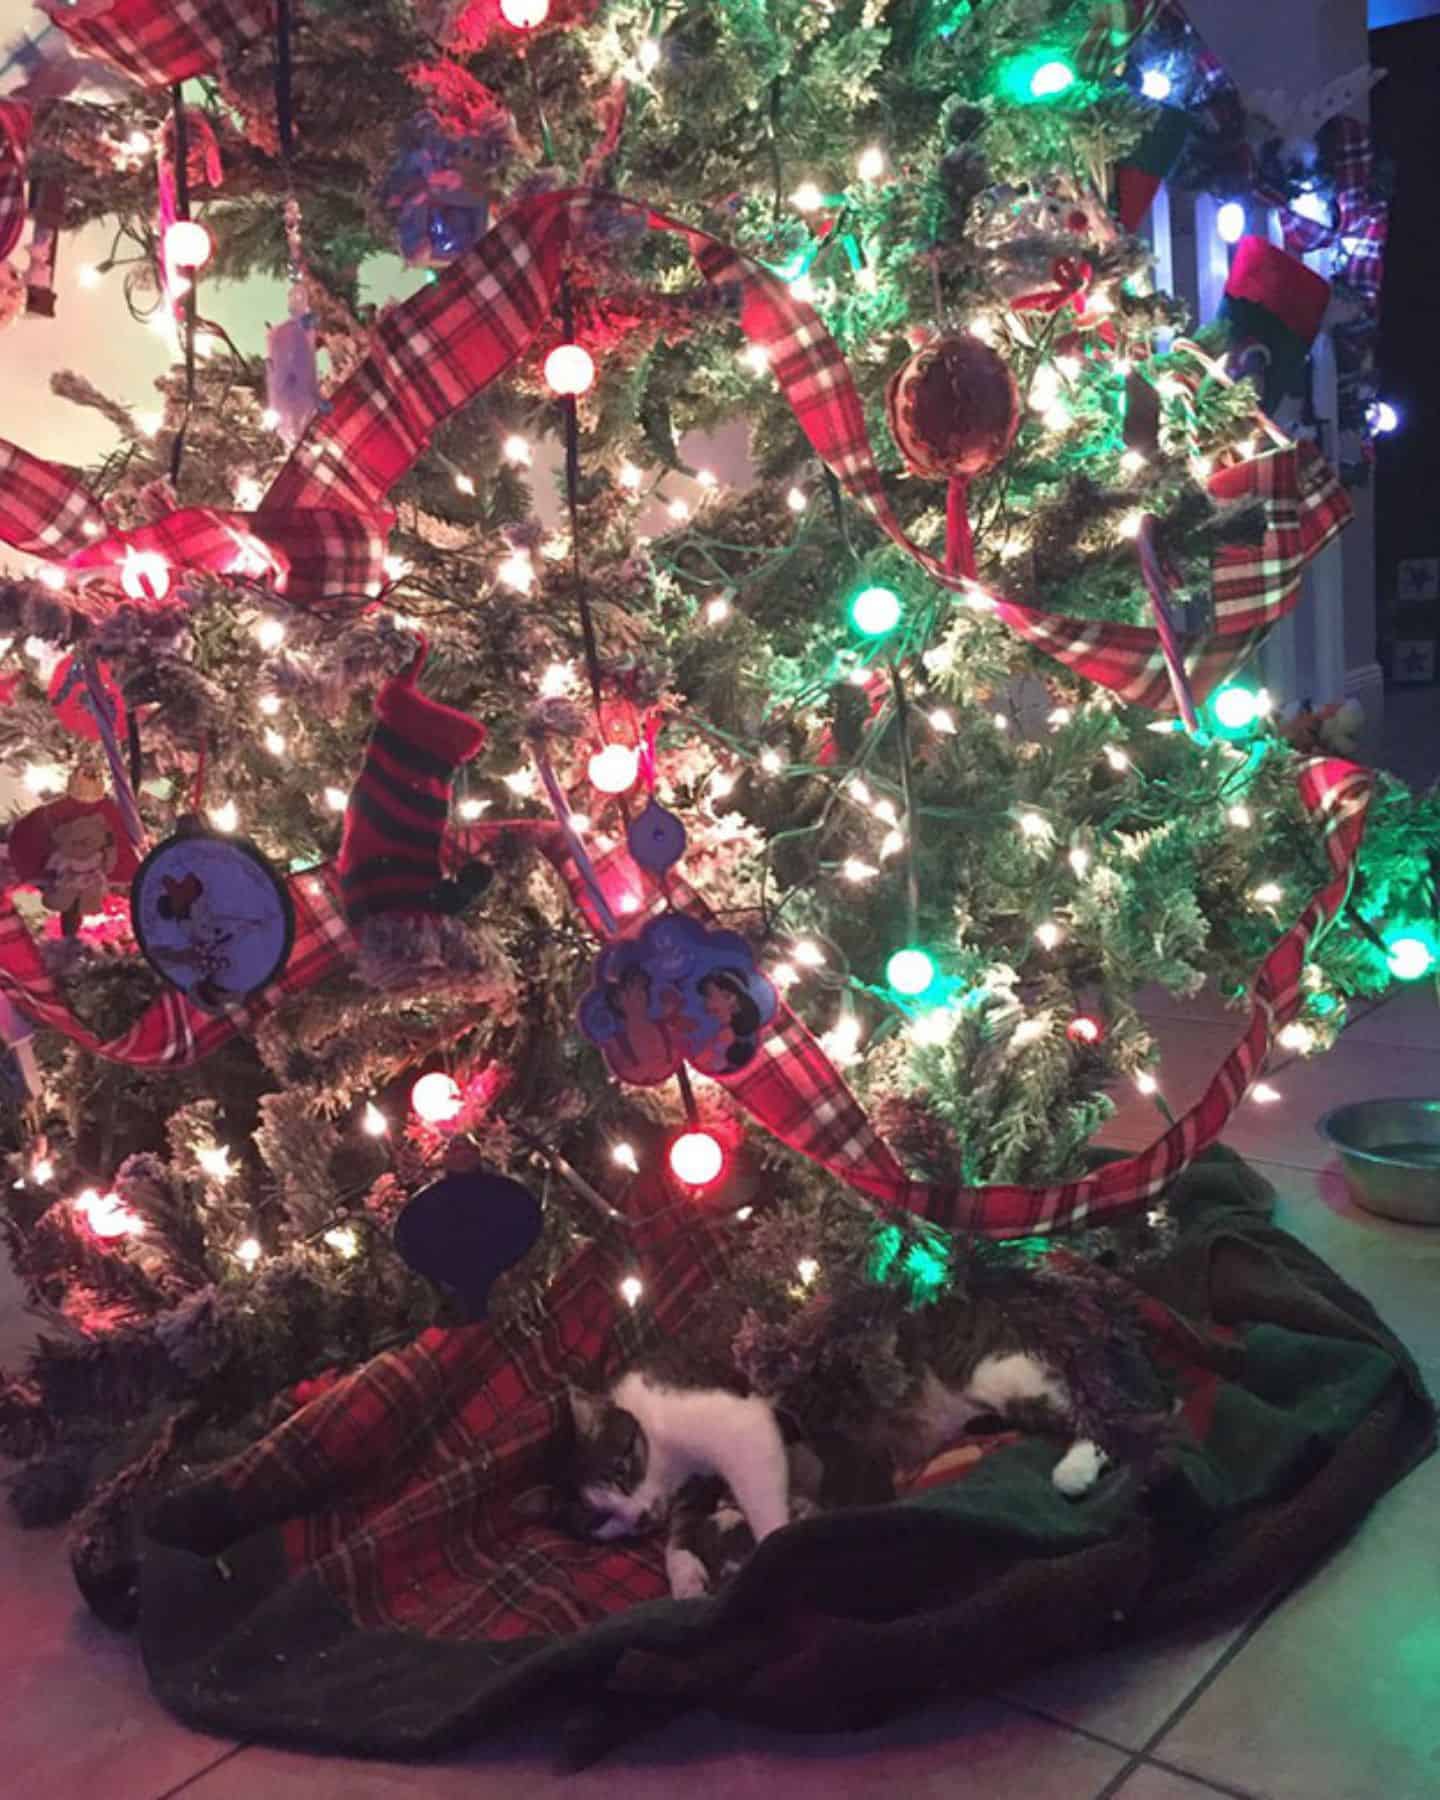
{"x": 910, "y": 972}
{"x": 875, "y": 611}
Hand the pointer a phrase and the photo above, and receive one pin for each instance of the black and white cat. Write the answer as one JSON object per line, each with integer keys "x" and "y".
{"x": 660, "y": 1427}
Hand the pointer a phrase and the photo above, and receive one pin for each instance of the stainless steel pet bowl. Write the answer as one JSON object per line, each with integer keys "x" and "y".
{"x": 1390, "y": 1152}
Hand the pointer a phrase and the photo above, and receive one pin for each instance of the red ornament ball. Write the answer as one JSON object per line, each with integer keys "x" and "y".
{"x": 953, "y": 408}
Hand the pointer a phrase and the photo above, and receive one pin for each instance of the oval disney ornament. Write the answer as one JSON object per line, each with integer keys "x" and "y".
{"x": 211, "y": 915}
{"x": 676, "y": 992}
{"x": 656, "y": 838}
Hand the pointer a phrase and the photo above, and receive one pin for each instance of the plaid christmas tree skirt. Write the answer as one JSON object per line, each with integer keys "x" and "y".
{"x": 370, "y": 1579}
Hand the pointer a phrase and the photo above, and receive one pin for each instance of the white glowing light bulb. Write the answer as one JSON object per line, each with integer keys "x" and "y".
{"x": 1269, "y": 893}
{"x": 1001, "y": 721}
{"x": 807, "y": 197}
{"x": 107, "y": 1214}
{"x": 274, "y": 743}
{"x": 943, "y": 721}
{"x": 679, "y": 510}
{"x": 1048, "y": 934}
{"x": 336, "y": 799}
{"x": 149, "y": 424}
{"x": 892, "y": 844}
{"x": 517, "y": 572}
{"x": 249, "y": 1251}
{"x": 1044, "y": 388}
{"x": 809, "y": 954}
{"x": 214, "y": 1161}
{"x": 852, "y": 869}
{"x": 722, "y": 785}
{"x": 631, "y": 1288}
{"x": 707, "y": 478}
{"x": 797, "y": 500}
{"x": 624, "y": 1155}
{"x": 1116, "y": 757}
{"x": 270, "y": 634}
{"x": 648, "y": 55}
{"x": 516, "y": 449}
{"x": 269, "y": 705}
{"x": 1297, "y": 1037}
{"x": 145, "y": 575}
{"x": 1129, "y": 526}
{"x": 1033, "y": 826}
{"x": 696, "y": 1158}
{"x": 1058, "y": 716}
{"x": 471, "y": 809}
{"x": 464, "y": 484}
{"x": 629, "y": 476}
{"x": 870, "y": 164}
{"x": 1080, "y": 862}
{"x": 1240, "y": 817}
{"x": 569, "y": 370}
{"x": 1230, "y": 222}
{"x": 807, "y": 1269}
{"x": 802, "y": 288}
{"x": 436, "y": 1097}
{"x": 226, "y": 816}
{"x": 188, "y": 245}
{"x": 771, "y": 761}
{"x": 373, "y": 1122}
{"x": 524, "y": 15}
{"x": 521, "y": 783}
{"x": 1146, "y": 1082}
{"x": 756, "y": 358}
{"x": 343, "y": 1241}
{"x": 1264, "y": 1094}
{"x": 1132, "y": 462}
{"x": 615, "y": 769}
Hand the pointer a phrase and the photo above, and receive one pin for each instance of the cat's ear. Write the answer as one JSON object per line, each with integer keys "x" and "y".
{"x": 587, "y": 1410}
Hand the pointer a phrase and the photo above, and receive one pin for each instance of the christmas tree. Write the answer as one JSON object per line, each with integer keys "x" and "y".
{"x": 430, "y": 664}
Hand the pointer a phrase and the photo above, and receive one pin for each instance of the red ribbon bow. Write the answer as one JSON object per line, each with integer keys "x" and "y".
{"x": 1072, "y": 279}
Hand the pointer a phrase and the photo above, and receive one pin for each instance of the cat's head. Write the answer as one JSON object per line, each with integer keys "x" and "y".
{"x": 609, "y": 1496}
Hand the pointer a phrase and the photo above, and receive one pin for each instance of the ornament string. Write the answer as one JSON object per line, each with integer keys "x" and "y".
{"x": 1157, "y": 586}
{"x": 560, "y": 806}
{"x": 180, "y": 207}
{"x": 902, "y": 732}
{"x": 570, "y": 412}
{"x": 959, "y": 541}
{"x": 105, "y": 724}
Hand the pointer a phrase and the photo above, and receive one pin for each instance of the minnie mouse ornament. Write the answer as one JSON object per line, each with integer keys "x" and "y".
{"x": 211, "y": 915}
{"x": 75, "y": 850}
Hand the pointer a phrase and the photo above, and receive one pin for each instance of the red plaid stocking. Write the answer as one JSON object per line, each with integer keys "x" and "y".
{"x": 395, "y": 823}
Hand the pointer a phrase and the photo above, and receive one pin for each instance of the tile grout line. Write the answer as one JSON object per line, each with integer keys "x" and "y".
{"x": 1144, "y": 1756}
{"x": 225, "y": 1756}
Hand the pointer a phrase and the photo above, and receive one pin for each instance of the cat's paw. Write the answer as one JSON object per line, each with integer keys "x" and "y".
{"x": 1079, "y": 1469}
{"x": 686, "y": 1573}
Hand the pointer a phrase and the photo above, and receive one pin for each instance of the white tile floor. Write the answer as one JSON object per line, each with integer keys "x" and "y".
{"x": 1333, "y": 1694}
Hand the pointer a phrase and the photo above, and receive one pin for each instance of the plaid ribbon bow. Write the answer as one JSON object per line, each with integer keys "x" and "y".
{"x": 1357, "y": 233}
{"x": 160, "y": 42}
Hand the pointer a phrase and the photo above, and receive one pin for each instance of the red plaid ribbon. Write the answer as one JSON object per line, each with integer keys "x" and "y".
{"x": 160, "y": 42}
{"x": 452, "y": 339}
{"x": 15, "y": 123}
{"x": 172, "y": 1033}
{"x": 793, "y": 1090}
{"x": 324, "y": 558}
{"x": 1358, "y": 231}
